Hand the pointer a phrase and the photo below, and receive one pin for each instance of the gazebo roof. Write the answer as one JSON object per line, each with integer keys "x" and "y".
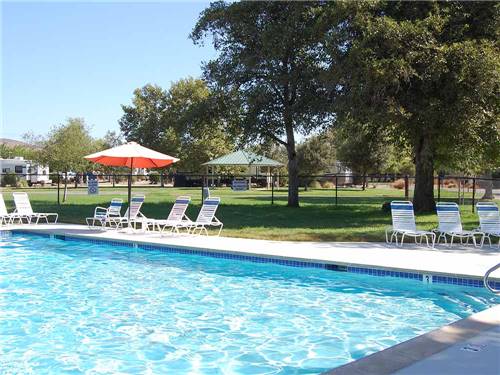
{"x": 246, "y": 158}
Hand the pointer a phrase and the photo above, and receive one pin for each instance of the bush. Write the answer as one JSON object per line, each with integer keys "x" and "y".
{"x": 399, "y": 184}
{"x": 119, "y": 178}
{"x": 315, "y": 184}
{"x": 328, "y": 185}
{"x": 9, "y": 179}
{"x": 22, "y": 183}
{"x": 53, "y": 177}
{"x": 154, "y": 177}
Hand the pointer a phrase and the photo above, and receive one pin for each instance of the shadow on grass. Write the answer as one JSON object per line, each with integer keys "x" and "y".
{"x": 353, "y": 219}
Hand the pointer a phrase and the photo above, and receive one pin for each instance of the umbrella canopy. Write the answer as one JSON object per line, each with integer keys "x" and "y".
{"x": 132, "y": 155}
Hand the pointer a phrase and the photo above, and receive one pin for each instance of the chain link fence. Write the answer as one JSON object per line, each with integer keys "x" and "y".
{"x": 334, "y": 189}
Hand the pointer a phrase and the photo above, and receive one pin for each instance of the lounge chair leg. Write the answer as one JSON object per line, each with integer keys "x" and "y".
{"x": 402, "y": 239}
{"x": 394, "y": 237}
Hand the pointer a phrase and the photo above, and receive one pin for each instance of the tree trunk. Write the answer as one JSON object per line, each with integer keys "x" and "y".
{"x": 293, "y": 165}
{"x": 423, "y": 197}
{"x": 65, "y": 186}
{"x": 488, "y": 186}
{"x": 293, "y": 178}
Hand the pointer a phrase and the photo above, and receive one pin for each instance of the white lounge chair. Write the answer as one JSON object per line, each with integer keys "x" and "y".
{"x": 450, "y": 224}
{"x": 24, "y": 210}
{"x": 206, "y": 218}
{"x": 175, "y": 218}
{"x": 134, "y": 217}
{"x": 102, "y": 214}
{"x": 6, "y": 217}
{"x": 403, "y": 222}
{"x": 489, "y": 221}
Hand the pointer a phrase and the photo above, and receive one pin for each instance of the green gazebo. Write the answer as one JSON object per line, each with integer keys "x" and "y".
{"x": 243, "y": 158}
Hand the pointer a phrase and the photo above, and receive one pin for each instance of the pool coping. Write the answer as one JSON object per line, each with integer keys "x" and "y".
{"x": 403, "y": 355}
{"x": 425, "y": 276}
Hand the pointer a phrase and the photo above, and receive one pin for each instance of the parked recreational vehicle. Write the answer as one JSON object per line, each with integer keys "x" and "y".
{"x": 26, "y": 169}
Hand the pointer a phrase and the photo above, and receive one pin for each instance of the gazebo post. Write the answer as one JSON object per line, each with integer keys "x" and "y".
{"x": 249, "y": 178}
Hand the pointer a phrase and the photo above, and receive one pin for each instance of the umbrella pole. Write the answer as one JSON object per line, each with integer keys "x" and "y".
{"x": 130, "y": 189}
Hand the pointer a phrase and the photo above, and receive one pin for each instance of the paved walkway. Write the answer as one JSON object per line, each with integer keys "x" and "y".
{"x": 458, "y": 261}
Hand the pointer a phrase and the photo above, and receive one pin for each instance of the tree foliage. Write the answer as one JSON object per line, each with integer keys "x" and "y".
{"x": 177, "y": 122}
{"x": 316, "y": 154}
{"x": 427, "y": 73}
{"x": 11, "y": 151}
{"x": 201, "y": 134}
{"x": 268, "y": 70}
{"x": 66, "y": 145}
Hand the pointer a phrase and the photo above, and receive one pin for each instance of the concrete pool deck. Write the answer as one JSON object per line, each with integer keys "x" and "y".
{"x": 457, "y": 261}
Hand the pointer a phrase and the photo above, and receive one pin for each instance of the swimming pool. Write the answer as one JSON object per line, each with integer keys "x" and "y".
{"x": 74, "y": 306}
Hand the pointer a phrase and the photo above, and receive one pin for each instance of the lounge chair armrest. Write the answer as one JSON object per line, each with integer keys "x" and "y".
{"x": 98, "y": 209}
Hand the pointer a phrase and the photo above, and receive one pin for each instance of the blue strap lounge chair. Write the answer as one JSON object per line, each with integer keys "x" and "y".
{"x": 132, "y": 218}
{"x": 206, "y": 218}
{"x": 450, "y": 224}
{"x": 102, "y": 214}
{"x": 175, "y": 218}
{"x": 403, "y": 223}
{"x": 489, "y": 221}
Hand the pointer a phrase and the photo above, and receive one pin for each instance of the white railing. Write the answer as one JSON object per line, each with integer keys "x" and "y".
{"x": 487, "y": 275}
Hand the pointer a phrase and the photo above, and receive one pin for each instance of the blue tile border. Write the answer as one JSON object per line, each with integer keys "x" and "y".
{"x": 436, "y": 279}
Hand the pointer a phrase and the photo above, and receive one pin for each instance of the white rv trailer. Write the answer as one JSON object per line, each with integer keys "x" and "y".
{"x": 26, "y": 169}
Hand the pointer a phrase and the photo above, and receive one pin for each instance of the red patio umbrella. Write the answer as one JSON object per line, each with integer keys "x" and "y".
{"x": 131, "y": 155}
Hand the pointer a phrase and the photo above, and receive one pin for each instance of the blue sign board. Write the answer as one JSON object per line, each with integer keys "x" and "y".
{"x": 93, "y": 186}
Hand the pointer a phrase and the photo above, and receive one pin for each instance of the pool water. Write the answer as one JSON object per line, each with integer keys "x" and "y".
{"x": 75, "y": 307}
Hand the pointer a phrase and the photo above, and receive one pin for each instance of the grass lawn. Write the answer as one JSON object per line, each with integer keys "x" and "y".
{"x": 358, "y": 216}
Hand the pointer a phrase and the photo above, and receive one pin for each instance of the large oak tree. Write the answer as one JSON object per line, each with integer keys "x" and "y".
{"x": 270, "y": 63}
{"x": 427, "y": 73}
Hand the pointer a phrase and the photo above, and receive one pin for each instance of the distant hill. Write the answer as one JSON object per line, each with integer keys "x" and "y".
{"x": 12, "y": 142}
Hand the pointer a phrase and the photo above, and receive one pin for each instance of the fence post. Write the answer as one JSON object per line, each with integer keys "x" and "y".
{"x": 407, "y": 194}
{"x": 162, "y": 182}
{"x": 473, "y": 193}
{"x": 336, "y": 190}
{"x": 58, "y": 189}
{"x": 272, "y": 189}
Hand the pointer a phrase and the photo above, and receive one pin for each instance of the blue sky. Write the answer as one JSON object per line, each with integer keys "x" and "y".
{"x": 63, "y": 60}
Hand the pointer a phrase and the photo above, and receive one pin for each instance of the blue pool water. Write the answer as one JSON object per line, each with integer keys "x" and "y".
{"x": 74, "y": 307}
